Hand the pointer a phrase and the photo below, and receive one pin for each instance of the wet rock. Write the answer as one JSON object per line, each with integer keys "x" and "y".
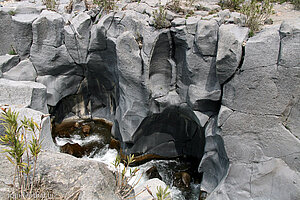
{"x": 114, "y": 144}
{"x": 153, "y": 173}
{"x": 86, "y": 129}
{"x": 73, "y": 149}
{"x": 182, "y": 179}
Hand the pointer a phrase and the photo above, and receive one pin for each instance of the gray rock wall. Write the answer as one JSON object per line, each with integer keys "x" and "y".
{"x": 200, "y": 80}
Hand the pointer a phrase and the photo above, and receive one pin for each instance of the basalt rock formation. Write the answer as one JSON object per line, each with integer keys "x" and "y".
{"x": 200, "y": 88}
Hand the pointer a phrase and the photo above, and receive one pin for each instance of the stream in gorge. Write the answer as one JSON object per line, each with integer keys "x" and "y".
{"x": 91, "y": 139}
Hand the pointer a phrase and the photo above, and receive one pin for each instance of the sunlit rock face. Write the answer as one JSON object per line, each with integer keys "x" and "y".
{"x": 200, "y": 88}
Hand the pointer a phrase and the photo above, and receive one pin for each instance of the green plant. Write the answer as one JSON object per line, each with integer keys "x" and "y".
{"x": 163, "y": 194}
{"x": 123, "y": 188}
{"x": 12, "y": 51}
{"x": 296, "y": 4}
{"x": 231, "y": 4}
{"x": 174, "y": 5}
{"x": 50, "y": 4}
{"x": 160, "y": 18}
{"x": 106, "y": 5}
{"x": 12, "y": 12}
{"x": 256, "y": 13}
{"x": 21, "y": 152}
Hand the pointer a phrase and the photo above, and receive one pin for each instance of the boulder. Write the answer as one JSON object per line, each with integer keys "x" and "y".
{"x": 68, "y": 176}
{"x": 24, "y": 71}
{"x": 24, "y": 93}
{"x": 229, "y": 54}
{"x": 8, "y": 61}
{"x": 152, "y": 185}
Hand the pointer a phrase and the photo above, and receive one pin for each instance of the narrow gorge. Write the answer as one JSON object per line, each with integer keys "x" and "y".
{"x": 200, "y": 89}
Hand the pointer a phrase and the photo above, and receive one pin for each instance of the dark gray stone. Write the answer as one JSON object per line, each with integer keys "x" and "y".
{"x": 229, "y": 54}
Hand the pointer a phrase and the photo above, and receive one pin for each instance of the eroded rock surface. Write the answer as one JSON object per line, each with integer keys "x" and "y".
{"x": 200, "y": 88}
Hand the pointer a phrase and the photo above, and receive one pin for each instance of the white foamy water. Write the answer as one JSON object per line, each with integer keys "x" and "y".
{"x": 77, "y": 139}
{"x": 107, "y": 156}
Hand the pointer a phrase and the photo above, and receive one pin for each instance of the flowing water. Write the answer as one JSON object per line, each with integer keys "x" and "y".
{"x": 102, "y": 153}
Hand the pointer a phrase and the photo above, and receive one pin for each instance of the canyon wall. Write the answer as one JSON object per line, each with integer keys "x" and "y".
{"x": 200, "y": 88}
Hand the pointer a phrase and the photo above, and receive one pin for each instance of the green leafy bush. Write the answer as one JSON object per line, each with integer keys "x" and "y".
{"x": 256, "y": 14}
{"x": 21, "y": 151}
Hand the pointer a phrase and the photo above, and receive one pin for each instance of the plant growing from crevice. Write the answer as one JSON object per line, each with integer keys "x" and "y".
{"x": 160, "y": 18}
{"x": 50, "y": 4}
{"x": 296, "y": 4}
{"x": 256, "y": 14}
{"x": 106, "y": 5}
{"x": 231, "y": 4}
{"x": 21, "y": 152}
{"x": 12, "y": 12}
{"x": 12, "y": 51}
{"x": 123, "y": 189}
{"x": 174, "y": 5}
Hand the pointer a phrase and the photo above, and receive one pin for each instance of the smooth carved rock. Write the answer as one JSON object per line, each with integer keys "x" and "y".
{"x": 214, "y": 164}
{"x": 24, "y": 71}
{"x": 206, "y": 37}
{"x": 59, "y": 87}
{"x": 248, "y": 138}
{"x": 229, "y": 54}
{"x": 174, "y": 132}
{"x": 24, "y": 93}
{"x": 259, "y": 180}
